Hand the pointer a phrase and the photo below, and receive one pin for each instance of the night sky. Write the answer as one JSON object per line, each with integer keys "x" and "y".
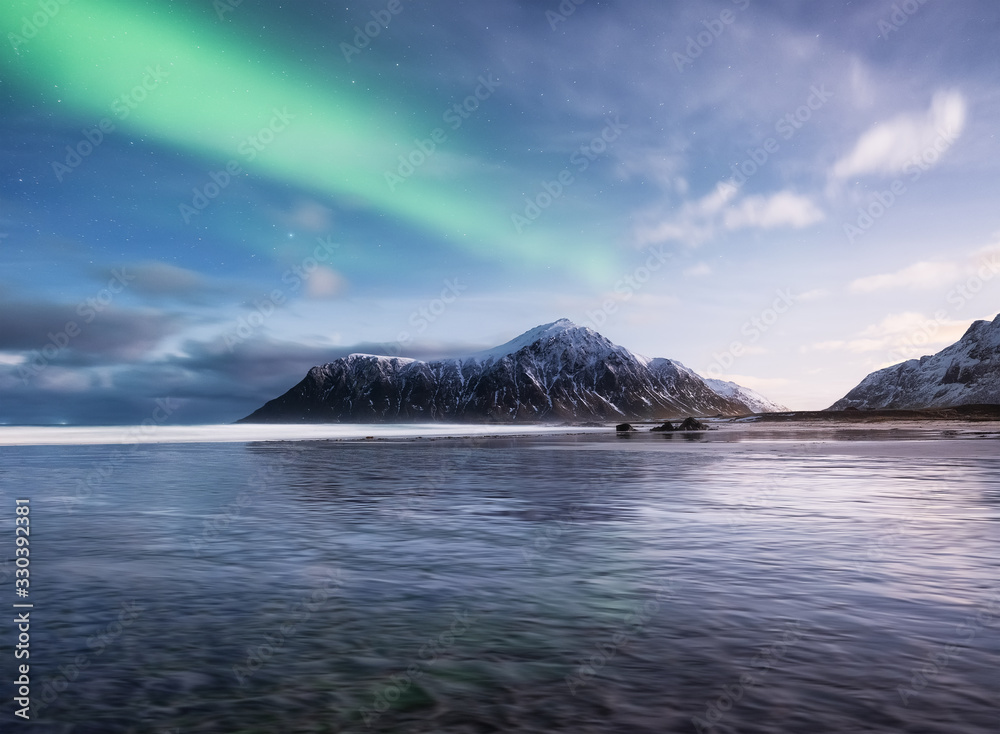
{"x": 200, "y": 200}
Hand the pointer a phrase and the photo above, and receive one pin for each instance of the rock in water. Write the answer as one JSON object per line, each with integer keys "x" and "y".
{"x": 690, "y": 424}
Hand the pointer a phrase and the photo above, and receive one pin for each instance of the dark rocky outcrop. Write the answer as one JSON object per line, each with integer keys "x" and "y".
{"x": 555, "y": 372}
{"x": 966, "y": 373}
{"x": 691, "y": 424}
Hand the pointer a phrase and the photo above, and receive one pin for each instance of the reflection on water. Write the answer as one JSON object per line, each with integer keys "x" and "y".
{"x": 587, "y": 584}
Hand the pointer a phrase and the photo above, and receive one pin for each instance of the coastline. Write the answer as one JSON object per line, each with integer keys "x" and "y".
{"x": 907, "y": 425}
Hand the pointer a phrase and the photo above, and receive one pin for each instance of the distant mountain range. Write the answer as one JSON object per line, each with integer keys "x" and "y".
{"x": 966, "y": 373}
{"x": 558, "y": 371}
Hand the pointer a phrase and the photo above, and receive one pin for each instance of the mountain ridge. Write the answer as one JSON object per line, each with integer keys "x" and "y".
{"x": 556, "y": 371}
{"x": 964, "y": 373}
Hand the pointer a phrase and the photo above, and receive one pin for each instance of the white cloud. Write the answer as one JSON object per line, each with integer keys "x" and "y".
{"x": 784, "y": 209}
{"x": 324, "y": 283}
{"x": 700, "y": 220}
{"x": 856, "y": 346}
{"x": 899, "y": 337}
{"x": 660, "y": 165}
{"x": 693, "y": 224}
{"x": 310, "y": 216}
{"x": 888, "y": 147}
{"x": 863, "y": 91}
{"x": 815, "y": 294}
{"x": 160, "y": 278}
{"x": 988, "y": 254}
{"x": 897, "y": 323}
{"x": 699, "y": 270}
{"x": 827, "y": 346}
{"x": 918, "y": 275}
{"x": 61, "y": 379}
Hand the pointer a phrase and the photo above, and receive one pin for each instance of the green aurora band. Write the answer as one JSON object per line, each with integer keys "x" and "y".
{"x": 219, "y": 90}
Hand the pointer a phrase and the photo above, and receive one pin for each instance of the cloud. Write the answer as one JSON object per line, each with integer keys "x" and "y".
{"x": 162, "y": 279}
{"x": 784, "y": 209}
{"x": 658, "y": 164}
{"x": 308, "y": 215}
{"x": 111, "y": 333}
{"x": 325, "y": 283}
{"x": 888, "y": 147}
{"x": 899, "y": 336}
{"x": 918, "y": 275}
{"x": 815, "y": 294}
{"x": 698, "y": 271}
{"x": 855, "y": 346}
{"x": 700, "y": 220}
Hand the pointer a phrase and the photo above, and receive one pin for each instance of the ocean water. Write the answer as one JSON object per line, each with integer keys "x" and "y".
{"x": 831, "y": 582}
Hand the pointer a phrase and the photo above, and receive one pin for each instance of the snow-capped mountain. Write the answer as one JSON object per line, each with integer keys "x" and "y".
{"x": 751, "y": 398}
{"x": 966, "y": 373}
{"x": 558, "y": 371}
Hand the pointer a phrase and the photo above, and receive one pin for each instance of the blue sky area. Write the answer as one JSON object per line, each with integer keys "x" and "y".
{"x": 201, "y": 200}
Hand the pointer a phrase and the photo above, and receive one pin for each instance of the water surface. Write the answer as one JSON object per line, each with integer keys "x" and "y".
{"x": 538, "y": 584}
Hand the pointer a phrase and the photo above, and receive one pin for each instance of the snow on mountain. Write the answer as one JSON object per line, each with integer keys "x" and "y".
{"x": 748, "y": 397}
{"x": 966, "y": 373}
{"x": 579, "y": 338}
{"x": 557, "y": 371}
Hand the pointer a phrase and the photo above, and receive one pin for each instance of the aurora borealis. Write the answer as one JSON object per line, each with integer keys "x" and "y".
{"x": 311, "y": 175}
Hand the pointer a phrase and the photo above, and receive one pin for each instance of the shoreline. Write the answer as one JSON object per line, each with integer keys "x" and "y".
{"x": 767, "y": 427}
